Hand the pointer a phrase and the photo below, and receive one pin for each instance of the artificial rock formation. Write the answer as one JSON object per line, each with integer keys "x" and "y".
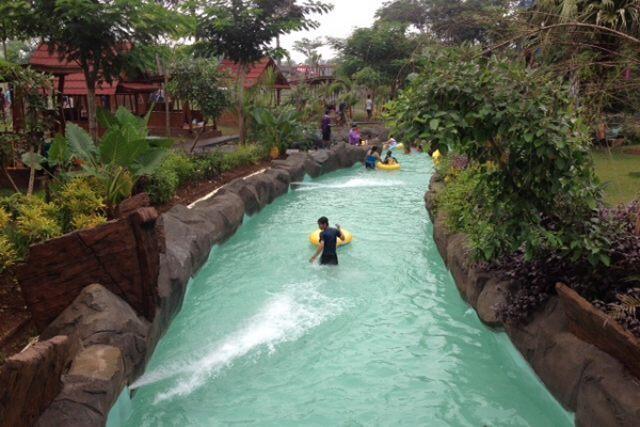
{"x": 97, "y": 338}
{"x": 584, "y": 379}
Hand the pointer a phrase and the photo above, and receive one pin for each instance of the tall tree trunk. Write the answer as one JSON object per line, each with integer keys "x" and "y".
{"x": 4, "y": 49}
{"x": 32, "y": 174}
{"x": 167, "y": 115}
{"x": 243, "y": 75}
{"x": 61, "y": 103}
{"x": 91, "y": 109}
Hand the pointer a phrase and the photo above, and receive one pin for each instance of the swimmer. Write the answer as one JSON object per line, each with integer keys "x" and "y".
{"x": 328, "y": 243}
{"x": 391, "y": 144}
{"x": 389, "y": 159}
{"x": 372, "y": 157}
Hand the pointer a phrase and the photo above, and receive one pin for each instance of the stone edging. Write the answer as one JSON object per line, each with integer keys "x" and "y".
{"x": 584, "y": 379}
{"x": 103, "y": 343}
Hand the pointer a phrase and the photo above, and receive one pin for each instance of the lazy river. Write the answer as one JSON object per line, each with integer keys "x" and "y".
{"x": 265, "y": 338}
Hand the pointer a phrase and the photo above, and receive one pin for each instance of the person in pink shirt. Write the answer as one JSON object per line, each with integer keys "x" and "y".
{"x": 354, "y": 135}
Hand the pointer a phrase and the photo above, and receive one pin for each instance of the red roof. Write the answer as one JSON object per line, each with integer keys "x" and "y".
{"x": 256, "y": 72}
{"x": 75, "y": 84}
{"x": 52, "y": 62}
{"x": 137, "y": 87}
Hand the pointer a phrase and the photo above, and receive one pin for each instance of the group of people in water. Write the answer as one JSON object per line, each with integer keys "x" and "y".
{"x": 373, "y": 158}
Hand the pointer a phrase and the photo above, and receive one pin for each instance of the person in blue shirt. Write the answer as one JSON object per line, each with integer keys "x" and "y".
{"x": 328, "y": 243}
{"x": 372, "y": 157}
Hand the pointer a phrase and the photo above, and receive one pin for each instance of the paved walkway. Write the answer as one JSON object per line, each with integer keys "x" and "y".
{"x": 208, "y": 144}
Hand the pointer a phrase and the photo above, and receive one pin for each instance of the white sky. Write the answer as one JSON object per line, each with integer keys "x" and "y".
{"x": 346, "y": 16}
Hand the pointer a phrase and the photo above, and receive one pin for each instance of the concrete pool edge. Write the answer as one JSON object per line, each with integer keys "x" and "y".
{"x": 584, "y": 379}
{"x": 114, "y": 343}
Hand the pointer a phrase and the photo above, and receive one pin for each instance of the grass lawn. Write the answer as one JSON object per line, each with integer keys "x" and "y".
{"x": 229, "y": 130}
{"x": 620, "y": 174}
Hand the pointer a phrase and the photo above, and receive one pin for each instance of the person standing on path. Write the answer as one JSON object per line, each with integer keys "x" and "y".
{"x": 328, "y": 243}
{"x": 369, "y": 107}
{"x": 326, "y": 129}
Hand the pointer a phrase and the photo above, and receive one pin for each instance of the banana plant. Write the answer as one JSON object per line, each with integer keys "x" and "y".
{"x": 125, "y": 153}
{"x": 277, "y": 127}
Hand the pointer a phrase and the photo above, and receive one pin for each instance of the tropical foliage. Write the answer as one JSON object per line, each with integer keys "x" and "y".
{"x": 278, "y": 127}
{"x": 199, "y": 82}
{"x": 376, "y": 56}
{"x": 125, "y": 154}
{"x": 519, "y": 128}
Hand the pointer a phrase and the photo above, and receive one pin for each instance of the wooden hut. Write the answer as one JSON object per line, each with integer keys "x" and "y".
{"x": 256, "y": 74}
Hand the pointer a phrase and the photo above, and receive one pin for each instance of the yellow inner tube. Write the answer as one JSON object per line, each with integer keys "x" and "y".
{"x": 314, "y": 237}
{"x": 393, "y": 167}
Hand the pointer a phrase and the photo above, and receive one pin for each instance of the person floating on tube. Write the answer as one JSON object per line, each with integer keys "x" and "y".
{"x": 328, "y": 243}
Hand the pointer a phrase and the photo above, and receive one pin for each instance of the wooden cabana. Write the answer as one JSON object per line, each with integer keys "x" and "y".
{"x": 135, "y": 95}
{"x": 109, "y": 96}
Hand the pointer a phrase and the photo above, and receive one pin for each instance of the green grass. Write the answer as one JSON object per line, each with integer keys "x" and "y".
{"x": 229, "y": 130}
{"x": 620, "y": 174}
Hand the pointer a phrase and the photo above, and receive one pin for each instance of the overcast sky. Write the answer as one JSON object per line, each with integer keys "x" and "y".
{"x": 346, "y": 16}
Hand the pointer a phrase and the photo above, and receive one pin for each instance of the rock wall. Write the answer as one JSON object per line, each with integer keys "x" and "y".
{"x": 96, "y": 339}
{"x": 121, "y": 255}
{"x": 30, "y": 380}
{"x": 584, "y": 379}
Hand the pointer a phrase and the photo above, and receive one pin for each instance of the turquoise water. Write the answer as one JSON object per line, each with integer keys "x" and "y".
{"x": 266, "y": 338}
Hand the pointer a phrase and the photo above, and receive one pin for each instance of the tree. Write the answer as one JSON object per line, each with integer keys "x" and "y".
{"x": 11, "y": 14}
{"x": 452, "y": 21}
{"x": 384, "y": 50}
{"x": 98, "y": 35}
{"x": 410, "y": 12}
{"x": 594, "y": 44}
{"x": 309, "y": 48}
{"x": 243, "y": 30}
{"x": 199, "y": 82}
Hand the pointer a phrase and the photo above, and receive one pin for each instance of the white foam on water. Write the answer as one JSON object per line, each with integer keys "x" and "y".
{"x": 352, "y": 183}
{"x": 285, "y": 317}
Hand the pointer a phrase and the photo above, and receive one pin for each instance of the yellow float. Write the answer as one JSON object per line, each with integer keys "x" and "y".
{"x": 314, "y": 237}
{"x": 393, "y": 167}
{"x": 436, "y": 156}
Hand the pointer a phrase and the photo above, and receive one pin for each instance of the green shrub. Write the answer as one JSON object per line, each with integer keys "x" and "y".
{"x": 162, "y": 185}
{"x": 78, "y": 199}
{"x": 209, "y": 166}
{"x": 83, "y": 221}
{"x": 245, "y": 155}
{"x": 519, "y": 124}
{"x": 185, "y": 168}
{"x": 458, "y": 201}
{"x": 8, "y": 253}
{"x": 178, "y": 170}
{"x": 5, "y": 218}
{"x": 37, "y": 222}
